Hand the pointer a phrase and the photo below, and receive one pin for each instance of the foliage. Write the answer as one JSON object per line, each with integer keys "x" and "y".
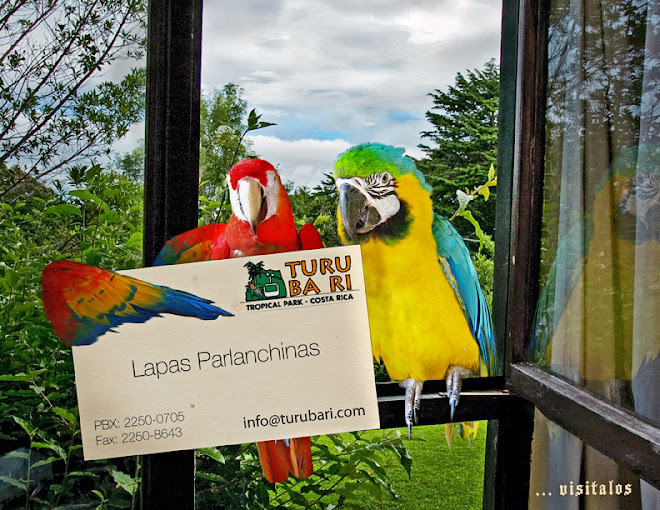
{"x": 230, "y": 477}
{"x": 318, "y": 207}
{"x": 483, "y": 259}
{"x": 222, "y": 122}
{"x": 460, "y": 164}
{"x": 131, "y": 164}
{"x": 439, "y": 478}
{"x": 53, "y": 112}
{"x": 224, "y": 125}
{"x": 95, "y": 217}
{"x": 27, "y": 185}
{"x": 464, "y": 135}
{"x": 421, "y": 472}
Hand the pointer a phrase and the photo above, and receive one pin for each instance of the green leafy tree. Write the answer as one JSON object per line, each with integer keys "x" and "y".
{"x": 131, "y": 164}
{"x": 223, "y": 122}
{"x": 27, "y": 185}
{"x": 317, "y": 206}
{"x": 54, "y": 111}
{"x": 463, "y": 143}
{"x": 220, "y": 151}
{"x": 93, "y": 216}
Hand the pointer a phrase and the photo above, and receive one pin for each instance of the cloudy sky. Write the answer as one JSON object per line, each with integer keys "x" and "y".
{"x": 335, "y": 73}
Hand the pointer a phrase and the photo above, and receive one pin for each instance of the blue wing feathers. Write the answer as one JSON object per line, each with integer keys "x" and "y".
{"x": 183, "y": 303}
{"x": 564, "y": 274}
{"x": 462, "y": 275}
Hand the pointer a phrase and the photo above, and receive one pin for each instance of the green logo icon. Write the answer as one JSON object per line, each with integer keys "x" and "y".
{"x": 263, "y": 283}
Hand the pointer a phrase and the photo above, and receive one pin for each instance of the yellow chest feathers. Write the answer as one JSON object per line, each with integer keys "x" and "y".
{"x": 417, "y": 324}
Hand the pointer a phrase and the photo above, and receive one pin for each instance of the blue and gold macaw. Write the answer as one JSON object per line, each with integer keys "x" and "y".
{"x": 428, "y": 315}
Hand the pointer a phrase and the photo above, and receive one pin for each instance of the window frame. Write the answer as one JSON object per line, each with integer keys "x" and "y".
{"x": 630, "y": 440}
{"x": 171, "y": 181}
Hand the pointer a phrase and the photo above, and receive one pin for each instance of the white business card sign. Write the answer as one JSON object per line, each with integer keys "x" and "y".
{"x": 294, "y": 359}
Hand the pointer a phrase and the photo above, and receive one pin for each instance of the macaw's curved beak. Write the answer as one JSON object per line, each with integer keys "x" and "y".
{"x": 251, "y": 200}
{"x": 357, "y": 215}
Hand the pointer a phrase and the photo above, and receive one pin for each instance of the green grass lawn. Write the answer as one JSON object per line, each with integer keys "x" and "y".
{"x": 440, "y": 479}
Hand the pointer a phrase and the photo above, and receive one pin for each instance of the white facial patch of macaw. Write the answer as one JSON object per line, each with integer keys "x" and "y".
{"x": 271, "y": 192}
{"x": 253, "y": 202}
{"x": 381, "y": 200}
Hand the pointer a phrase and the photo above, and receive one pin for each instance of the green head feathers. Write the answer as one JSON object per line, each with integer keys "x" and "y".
{"x": 368, "y": 158}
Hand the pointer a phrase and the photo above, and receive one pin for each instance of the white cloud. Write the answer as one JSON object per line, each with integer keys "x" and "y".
{"x": 335, "y": 73}
{"x": 450, "y": 22}
{"x": 305, "y": 161}
{"x": 131, "y": 139}
{"x": 302, "y": 161}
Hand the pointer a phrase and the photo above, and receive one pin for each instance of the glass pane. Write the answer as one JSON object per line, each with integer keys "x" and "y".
{"x": 597, "y": 322}
{"x": 567, "y": 474}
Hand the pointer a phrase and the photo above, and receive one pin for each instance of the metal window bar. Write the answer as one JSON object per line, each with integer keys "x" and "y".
{"x": 171, "y": 182}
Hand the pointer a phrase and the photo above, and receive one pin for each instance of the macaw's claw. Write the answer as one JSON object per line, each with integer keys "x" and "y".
{"x": 418, "y": 400}
{"x": 413, "y": 400}
{"x": 455, "y": 375}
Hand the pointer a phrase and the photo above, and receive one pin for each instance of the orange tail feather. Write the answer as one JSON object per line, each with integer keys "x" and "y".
{"x": 301, "y": 457}
{"x": 274, "y": 459}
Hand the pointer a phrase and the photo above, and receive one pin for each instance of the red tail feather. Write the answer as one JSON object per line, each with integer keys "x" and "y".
{"x": 274, "y": 459}
{"x": 310, "y": 239}
{"x": 301, "y": 457}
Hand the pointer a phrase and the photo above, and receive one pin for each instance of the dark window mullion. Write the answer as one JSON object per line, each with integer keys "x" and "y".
{"x": 527, "y": 189}
{"x": 171, "y": 188}
{"x": 518, "y": 228}
{"x": 506, "y": 149}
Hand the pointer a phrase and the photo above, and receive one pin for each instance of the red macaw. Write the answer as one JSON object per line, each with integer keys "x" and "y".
{"x": 84, "y": 302}
{"x": 261, "y": 223}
